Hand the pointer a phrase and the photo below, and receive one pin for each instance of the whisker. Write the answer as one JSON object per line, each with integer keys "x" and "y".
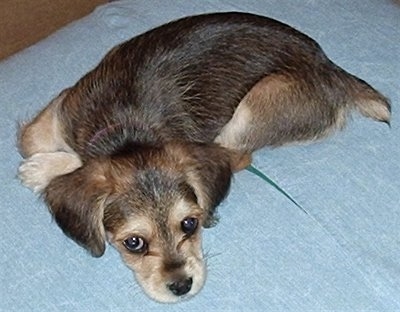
{"x": 208, "y": 255}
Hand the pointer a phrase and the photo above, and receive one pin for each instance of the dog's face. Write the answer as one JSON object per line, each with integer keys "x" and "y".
{"x": 150, "y": 203}
{"x": 160, "y": 239}
{"x": 154, "y": 220}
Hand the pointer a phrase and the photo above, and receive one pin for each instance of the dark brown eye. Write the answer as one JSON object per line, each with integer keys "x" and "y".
{"x": 135, "y": 244}
{"x": 189, "y": 225}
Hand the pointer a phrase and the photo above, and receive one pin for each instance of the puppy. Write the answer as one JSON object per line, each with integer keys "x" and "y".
{"x": 141, "y": 150}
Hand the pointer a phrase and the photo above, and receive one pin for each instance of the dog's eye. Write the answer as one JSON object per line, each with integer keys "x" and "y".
{"x": 189, "y": 225}
{"x": 135, "y": 244}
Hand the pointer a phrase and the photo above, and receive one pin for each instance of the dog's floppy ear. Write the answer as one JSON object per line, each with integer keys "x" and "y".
{"x": 209, "y": 171}
{"x": 76, "y": 200}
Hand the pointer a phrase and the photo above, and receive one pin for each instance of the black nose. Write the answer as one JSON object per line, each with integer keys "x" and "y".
{"x": 181, "y": 287}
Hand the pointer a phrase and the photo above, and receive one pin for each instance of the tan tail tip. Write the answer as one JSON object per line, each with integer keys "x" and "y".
{"x": 379, "y": 110}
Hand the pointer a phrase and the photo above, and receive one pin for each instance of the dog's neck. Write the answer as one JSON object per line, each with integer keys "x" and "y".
{"x": 102, "y": 133}
{"x": 114, "y": 137}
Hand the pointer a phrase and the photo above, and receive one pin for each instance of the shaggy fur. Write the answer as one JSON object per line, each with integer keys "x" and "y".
{"x": 141, "y": 150}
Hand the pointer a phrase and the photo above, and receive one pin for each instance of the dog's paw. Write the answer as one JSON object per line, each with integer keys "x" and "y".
{"x": 37, "y": 171}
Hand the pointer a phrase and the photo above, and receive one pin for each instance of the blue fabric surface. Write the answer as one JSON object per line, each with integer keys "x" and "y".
{"x": 265, "y": 254}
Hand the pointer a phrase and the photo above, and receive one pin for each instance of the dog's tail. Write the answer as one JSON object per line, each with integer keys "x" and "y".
{"x": 365, "y": 99}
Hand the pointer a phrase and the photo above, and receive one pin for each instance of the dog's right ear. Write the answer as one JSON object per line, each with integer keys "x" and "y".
{"x": 77, "y": 200}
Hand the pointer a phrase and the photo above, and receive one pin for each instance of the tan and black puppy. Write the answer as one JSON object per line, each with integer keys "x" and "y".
{"x": 141, "y": 150}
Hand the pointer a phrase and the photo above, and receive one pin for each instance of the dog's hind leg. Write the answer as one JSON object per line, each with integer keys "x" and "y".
{"x": 277, "y": 110}
{"x": 46, "y": 154}
{"x": 282, "y": 108}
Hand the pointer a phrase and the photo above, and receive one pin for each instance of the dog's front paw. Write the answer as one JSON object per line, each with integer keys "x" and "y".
{"x": 37, "y": 171}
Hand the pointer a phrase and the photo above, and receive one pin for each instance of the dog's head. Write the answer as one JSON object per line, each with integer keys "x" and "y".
{"x": 150, "y": 203}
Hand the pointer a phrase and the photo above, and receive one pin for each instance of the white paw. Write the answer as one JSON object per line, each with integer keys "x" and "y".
{"x": 37, "y": 171}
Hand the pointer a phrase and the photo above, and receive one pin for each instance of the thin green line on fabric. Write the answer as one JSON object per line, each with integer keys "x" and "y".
{"x": 261, "y": 175}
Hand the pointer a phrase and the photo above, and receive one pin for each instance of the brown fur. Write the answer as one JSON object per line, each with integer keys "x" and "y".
{"x": 146, "y": 143}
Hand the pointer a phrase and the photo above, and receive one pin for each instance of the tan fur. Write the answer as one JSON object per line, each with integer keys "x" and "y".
{"x": 44, "y": 133}
{"x": 46, "y": 153}
{"x": 38, "y": 170}
{"x": 149, "y": 139}
{"x": 149, "y": 268}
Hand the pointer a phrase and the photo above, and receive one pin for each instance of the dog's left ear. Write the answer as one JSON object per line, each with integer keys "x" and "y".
{"x": 77, "y": 202}
{"x": 209, "y": 169}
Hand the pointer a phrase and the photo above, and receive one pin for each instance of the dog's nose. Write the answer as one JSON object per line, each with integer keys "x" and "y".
{"x": 181, "y": 287}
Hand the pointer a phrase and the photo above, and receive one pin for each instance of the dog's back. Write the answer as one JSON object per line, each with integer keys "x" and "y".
{"x": 184, "y": 81}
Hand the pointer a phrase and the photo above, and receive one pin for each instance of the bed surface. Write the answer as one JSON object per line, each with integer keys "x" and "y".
{"x": 265, "y": 254}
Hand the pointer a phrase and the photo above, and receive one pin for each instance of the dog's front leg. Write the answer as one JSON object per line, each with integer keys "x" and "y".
{"x": 46, "y": 153}
{"x": 37, "y": 171}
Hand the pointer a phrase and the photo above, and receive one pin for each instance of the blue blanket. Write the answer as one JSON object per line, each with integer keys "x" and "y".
{"x": 266, "y": 254}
